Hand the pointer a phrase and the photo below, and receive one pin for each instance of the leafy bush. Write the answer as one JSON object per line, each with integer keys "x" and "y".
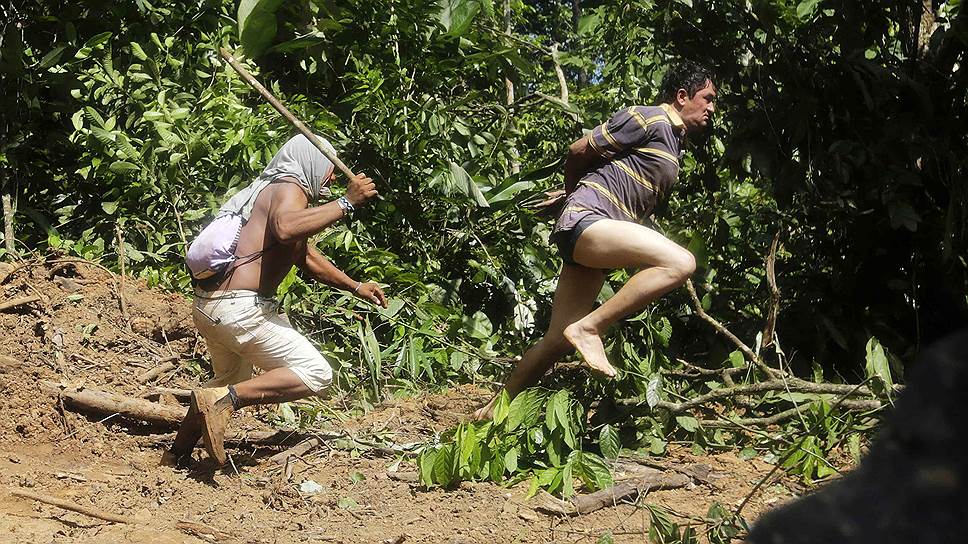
{"x": 538, "y": 434}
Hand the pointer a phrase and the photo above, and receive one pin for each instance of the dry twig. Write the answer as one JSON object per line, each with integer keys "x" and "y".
{"x": 73, "y": 507}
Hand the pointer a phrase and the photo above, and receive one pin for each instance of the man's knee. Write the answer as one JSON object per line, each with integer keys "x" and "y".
{"x": 681, "y": 266}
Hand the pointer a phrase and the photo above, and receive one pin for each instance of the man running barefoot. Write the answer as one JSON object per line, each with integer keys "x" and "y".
{"x": 235, "y": 311}
{"x": 613, "y": 179}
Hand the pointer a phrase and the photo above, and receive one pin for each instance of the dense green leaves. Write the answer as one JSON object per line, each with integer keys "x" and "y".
{"x": 517, "y": 442}
{"x": 839, "y": 128}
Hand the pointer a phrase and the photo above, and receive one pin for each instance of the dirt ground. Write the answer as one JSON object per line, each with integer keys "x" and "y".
{"x": 74, "y": 331}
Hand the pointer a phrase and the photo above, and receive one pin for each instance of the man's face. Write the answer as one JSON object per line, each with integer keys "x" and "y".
{"x": 697, "y": 112}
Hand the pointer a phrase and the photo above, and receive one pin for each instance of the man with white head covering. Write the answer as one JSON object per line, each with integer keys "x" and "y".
{"x": 235, "y": 310}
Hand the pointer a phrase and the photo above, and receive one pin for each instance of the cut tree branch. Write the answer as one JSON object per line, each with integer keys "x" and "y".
{"x": 791, "y": 385}
{"x": 612, "y": 496}
{"x": 780, "y": 417}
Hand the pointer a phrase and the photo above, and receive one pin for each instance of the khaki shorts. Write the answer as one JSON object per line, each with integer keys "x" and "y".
{"x": 243, "y": 329}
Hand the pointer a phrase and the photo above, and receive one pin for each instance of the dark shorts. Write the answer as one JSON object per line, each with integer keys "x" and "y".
{"x": 566, "y": 239}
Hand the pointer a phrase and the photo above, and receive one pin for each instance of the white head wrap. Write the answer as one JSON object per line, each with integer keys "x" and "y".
{"x": 298, "y": 158}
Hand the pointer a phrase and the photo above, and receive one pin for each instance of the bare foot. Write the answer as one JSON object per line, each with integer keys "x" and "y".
{"x": 484, "y": 413}
{"x": 589, "y": 344}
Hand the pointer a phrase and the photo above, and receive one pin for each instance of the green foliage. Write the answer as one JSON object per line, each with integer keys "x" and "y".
{"x": 538, "y": 434}
{"x": 662, "y": 530}
{"x": 835, "y": 129}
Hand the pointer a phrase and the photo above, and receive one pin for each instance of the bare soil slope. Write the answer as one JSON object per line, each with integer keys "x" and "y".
{"x": 72, "y": 329}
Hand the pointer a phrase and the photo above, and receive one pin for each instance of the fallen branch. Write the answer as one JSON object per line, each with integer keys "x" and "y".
{"x": 612, "y": 496}
{"x": 155, "y": 372}
{"x": 726, "y": 422}
{"x": 102, "y": 402}
{"x": 183, "y": 394}
{"x": 18, "y": 302}
{"x": 303, "y": 447}
{"x": 73, "y": 507}
{"x": 255, "y": 439}
{"x": 790, "y": 385}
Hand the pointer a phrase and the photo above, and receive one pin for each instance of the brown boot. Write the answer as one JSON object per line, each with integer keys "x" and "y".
{"x": 189, "y": 432}
{"x": 215, "y": 408}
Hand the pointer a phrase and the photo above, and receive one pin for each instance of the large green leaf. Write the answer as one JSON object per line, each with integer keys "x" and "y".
{"x": 525, "y": 409}
{"x": 457, "y": 15}
{"x": 465, "y": 183}
{"x": 609, "y": 442}
{"x": 878, "y": 367}
{"x": 257, "y": 24}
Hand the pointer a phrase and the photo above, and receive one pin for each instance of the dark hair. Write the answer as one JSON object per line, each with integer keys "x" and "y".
{"x": 687, "y": 75}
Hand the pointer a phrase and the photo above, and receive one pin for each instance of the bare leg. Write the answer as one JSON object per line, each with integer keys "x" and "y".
{"x": 619, "y": 244}
{"x": 277, "y": 385}
{"x": 578, "y": 287}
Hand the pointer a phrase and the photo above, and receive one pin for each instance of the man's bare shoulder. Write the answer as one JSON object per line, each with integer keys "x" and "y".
{"x": 285, "y": 192}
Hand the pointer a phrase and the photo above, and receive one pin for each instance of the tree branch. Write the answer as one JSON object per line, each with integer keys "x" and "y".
{"x": 749, "y": 353}
{"x": 769, "y": 328}
{"x": 858, "y": 405}
{"x": 791, "y": 385}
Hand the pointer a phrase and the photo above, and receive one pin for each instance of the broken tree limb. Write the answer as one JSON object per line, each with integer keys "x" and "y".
{"x": 721, "y": 329}
{"x": 18, "y": 302}
{"x": 176, "y": 392}
{"x": 789, "y": 385}
{"x": 73, "y": 507}
{"x": 303, "y": 447}
{"x": 254, "y": 439}
{"x": 101, "y": 402}
{"x": 155, "y": 372}
{"x": 780, "y": 417}
{"x": 612, "y": 496}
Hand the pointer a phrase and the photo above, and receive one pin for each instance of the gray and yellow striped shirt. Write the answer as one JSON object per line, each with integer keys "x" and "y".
{"x": 642, "y": 146}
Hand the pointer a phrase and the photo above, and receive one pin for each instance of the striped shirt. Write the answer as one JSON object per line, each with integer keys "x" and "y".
{"x": 642, "y": 147}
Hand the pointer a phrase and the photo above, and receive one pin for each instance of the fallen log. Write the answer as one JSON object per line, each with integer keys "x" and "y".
{"x": 72, "y": 506}
{"x": 101, "y": 402}
{"x": 629, "y": 489}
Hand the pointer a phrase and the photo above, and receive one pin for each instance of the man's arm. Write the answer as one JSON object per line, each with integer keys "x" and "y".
{"x": 323, "y": 270}
{"x": 581, "y": 157}
{"x": 290, "y": 221}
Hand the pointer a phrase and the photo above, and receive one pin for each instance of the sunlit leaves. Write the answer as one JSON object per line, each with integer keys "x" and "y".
{"x": 257, "y": 24}
{"x": 457, "y": 15}
{"x": 518, "y": 440}
{"x": 878, "y": 368}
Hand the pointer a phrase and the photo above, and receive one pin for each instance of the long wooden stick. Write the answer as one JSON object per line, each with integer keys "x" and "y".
{"x": 72, "y": 506}
{"x": 284, "y": 111}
